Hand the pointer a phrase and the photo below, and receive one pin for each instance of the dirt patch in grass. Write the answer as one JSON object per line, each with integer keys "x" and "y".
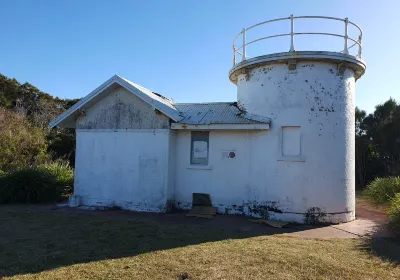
{"x": 58, "y": 245}
{"x": 365, "y": 209}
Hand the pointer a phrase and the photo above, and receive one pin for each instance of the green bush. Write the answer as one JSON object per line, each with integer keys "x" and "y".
{"x": 382, "y": 190}
{"x": 394, "y": 213}
{"x": 63, "y": 172}
{"x": 46, "y": 183}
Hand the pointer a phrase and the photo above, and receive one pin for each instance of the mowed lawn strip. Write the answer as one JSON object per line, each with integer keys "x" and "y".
{"x": 38, "y": 244}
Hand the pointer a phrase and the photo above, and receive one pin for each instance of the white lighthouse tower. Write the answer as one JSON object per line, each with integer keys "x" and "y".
{"x": 309, "y": 97}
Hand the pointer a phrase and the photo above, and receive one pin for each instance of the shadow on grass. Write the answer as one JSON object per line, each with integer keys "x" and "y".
{"x": 35, "y": 238}
{"x": 386, "y": 248}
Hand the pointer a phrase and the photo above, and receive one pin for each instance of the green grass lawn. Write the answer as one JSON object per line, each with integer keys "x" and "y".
{"x": 44, "y": 244}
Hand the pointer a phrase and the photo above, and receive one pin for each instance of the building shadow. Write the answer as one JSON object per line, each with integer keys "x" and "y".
{"x": 383, "y": 244}
{"x": 35, "y": 239}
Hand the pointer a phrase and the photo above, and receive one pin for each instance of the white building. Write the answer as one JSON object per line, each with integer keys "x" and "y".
{"x": 286, "y": 146}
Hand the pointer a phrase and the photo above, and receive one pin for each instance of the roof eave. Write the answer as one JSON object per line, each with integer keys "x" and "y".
{"x": 221, "y": 126}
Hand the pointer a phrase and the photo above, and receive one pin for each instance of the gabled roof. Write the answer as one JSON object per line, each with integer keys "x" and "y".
{"x": 161, "y": 103}
{"x": 183, "y": 113}
{"x": 216, "y": 113}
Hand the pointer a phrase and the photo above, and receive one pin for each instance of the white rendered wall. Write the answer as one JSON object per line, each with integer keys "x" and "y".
{"x": 126, "y": 168}
{"x": 228, "y": 181}
{"x": 319, "y": 101}
{"x": 171, "y": 166}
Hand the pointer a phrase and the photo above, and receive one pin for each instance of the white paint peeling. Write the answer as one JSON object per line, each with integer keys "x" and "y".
{"x": 320, "y": 101}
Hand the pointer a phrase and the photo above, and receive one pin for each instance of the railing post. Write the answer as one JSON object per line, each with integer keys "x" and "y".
{"x": 244, "y": 44}
{"x": 346, "y": 24}
{"x": 359, "y": 46}
{"x": 234, "y": 55}
{"x": 291, "y": 34}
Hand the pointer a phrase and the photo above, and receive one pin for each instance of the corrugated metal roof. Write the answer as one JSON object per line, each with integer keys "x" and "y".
{"x": 153, "y": 95}
{"x": 216, "y": 113}
{"x": 185, "y": 113}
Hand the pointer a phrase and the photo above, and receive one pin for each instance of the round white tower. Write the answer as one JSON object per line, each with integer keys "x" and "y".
{"x": 309, "y": 97}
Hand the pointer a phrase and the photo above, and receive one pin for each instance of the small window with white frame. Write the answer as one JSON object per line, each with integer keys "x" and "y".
{"x": 199, "y": 147}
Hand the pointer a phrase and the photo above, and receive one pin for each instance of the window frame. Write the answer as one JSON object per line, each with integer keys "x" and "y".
{"x": 199, "y": 136}
{"x": 282, "y": 157}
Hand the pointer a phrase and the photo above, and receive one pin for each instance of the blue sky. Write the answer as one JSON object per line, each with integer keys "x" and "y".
{"x": 181, "y": 49}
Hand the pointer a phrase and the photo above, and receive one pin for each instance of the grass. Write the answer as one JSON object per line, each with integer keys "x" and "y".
{"x": 44, "y": 244}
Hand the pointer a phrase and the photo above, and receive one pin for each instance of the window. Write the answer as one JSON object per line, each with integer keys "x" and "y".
{"x": 291, "y": 142}
{"x": 199, "y": 147}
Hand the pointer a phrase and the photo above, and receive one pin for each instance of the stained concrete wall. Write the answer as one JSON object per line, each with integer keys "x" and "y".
{"x": 314, "y": 97}
{"x": 126, "y": 168}
{"x": 228, "y": 181}
{"x": 120, "y": 109}
{"x": 127, "y": 156}
{"x": 171, "y": 167}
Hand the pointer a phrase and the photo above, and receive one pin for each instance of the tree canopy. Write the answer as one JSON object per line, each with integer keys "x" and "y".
{"x": 377, "y": 142}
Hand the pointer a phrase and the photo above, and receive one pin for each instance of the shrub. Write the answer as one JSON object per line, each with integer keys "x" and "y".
{"x": 382, "y": 190}
{"x": 46, "y": 183}
{"x": 21, "y": 144}
{"x": 394, "y": 213}
{"x": 63, "y": 173}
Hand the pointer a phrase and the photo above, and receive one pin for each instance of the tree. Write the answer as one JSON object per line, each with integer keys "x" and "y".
{"x": 39, "y": 108}
{"x": 378, "y": 142}
{"x": 362, "y": 152}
